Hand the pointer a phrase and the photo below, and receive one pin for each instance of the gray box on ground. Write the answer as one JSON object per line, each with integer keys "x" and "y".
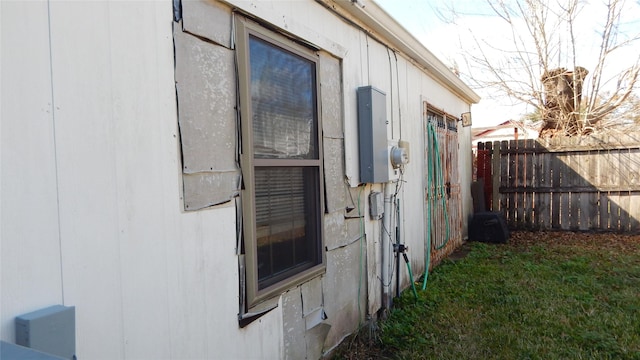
{"x": 51, "y": 330}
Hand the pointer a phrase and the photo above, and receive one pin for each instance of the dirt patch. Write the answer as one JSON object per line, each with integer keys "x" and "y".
{"x": 460, "y": 253}
{"x": 608, "y": 241}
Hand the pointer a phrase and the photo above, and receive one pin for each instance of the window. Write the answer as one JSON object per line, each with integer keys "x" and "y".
{"x": 281, "y": 161}
{"x": 444, "y": 199}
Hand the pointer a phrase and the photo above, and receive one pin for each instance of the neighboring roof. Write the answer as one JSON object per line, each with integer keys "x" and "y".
{"x": 372, "y": 15}
{"x": 509, "y": 124}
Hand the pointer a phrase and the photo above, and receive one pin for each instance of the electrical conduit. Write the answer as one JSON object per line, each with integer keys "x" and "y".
{"x": 386, "y": 246}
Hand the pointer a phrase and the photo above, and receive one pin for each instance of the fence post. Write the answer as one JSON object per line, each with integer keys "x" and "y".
{"x": 504, "y": 177}
{"x": 483, "y": 165}
{"x": 488, "y": 183}
{"x": 495, "y": 177}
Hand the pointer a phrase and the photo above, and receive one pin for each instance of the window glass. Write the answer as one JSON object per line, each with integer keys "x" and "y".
{"x": 283, "y": 103}
{"x": 286, "y": 201}
{"x": 282, "y": 200}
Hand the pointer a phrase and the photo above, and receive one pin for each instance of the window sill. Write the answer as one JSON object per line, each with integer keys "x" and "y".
{"x": 274, "y": 291}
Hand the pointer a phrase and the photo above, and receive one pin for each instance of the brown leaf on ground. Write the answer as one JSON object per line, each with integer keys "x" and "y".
{"x": 602, "y": 241}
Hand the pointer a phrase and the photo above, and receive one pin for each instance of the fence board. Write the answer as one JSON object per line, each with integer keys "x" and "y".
{"x": 614, "y": 196}
{"x": 624, "y": 163}
{"x": 604, "y": 211}
{"x": 545, "y": 198}
{"x": 574, "y": 180}
{"x": 488, "y": 182}
{"x": 634, "y": 196}
{"x": 520, "y": 163}
{"x": 565, "y": 181}
{"x": 513, "y": 205}
{"x": 504, "y": 176}
{"x": 634, "y": 211}
{"x": 555, "y": 196}
{"x": 589, "y": 201}
{"x": 495, "y": 177}
{"x": 577, "y": 184}
{"x": 526, "y": 173}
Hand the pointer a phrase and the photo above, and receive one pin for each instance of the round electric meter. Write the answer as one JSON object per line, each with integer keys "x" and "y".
{"x": 399, "y": 157}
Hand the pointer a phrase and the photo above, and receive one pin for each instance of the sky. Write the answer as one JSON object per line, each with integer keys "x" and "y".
{"x": 426, "y": 20}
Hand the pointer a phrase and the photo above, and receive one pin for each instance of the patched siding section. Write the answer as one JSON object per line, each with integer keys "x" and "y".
{"x": 206, "y": 93}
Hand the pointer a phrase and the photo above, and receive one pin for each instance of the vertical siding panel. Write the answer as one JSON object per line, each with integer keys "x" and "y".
{"x": 137, "y": 161}
{"x": 356, "y": 59}
{"x": 30, "y": 262}
{"x": 86, "y": 135}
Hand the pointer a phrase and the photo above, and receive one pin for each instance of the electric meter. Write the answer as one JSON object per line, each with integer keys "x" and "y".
{"x": 399, "y": 157}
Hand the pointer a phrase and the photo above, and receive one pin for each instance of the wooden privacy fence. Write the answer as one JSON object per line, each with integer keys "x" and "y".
{"x": 589, "y": 183}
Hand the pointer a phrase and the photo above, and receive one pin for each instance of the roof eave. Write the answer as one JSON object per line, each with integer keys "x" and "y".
{"x": 372, "y": 15}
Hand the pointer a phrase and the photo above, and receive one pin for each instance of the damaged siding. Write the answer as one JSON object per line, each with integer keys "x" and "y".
{"x": 100, "y": 94}
{"x": 206, "y": 92}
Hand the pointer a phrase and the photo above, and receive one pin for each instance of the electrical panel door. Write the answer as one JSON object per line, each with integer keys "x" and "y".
{"x": 372, "y": 135}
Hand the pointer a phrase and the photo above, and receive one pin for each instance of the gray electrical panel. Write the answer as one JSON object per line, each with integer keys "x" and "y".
{"x": 51, "y": 330}
{"x": 372, "y": 135}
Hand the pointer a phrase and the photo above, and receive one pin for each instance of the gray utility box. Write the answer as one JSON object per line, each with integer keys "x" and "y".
{"x": 372, "y": 135}
{"x": 51, "y": 330}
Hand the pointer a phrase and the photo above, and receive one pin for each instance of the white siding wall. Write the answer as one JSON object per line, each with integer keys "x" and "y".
{"x": 91, "y": 208}
{"x": 30, "y": 263}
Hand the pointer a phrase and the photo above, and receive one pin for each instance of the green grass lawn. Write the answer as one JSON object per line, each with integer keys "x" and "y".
{"x": 542, "y": 296}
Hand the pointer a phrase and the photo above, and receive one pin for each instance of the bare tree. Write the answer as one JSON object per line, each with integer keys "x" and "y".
{"x": 536, "y": 60}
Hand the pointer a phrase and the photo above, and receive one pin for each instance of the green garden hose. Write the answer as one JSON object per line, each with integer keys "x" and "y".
{"x": 413, "y": 284}
{"x": 435, "y": 187}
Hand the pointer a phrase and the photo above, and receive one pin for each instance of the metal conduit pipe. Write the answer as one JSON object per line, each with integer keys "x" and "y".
{"x": 386, "y": 243}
